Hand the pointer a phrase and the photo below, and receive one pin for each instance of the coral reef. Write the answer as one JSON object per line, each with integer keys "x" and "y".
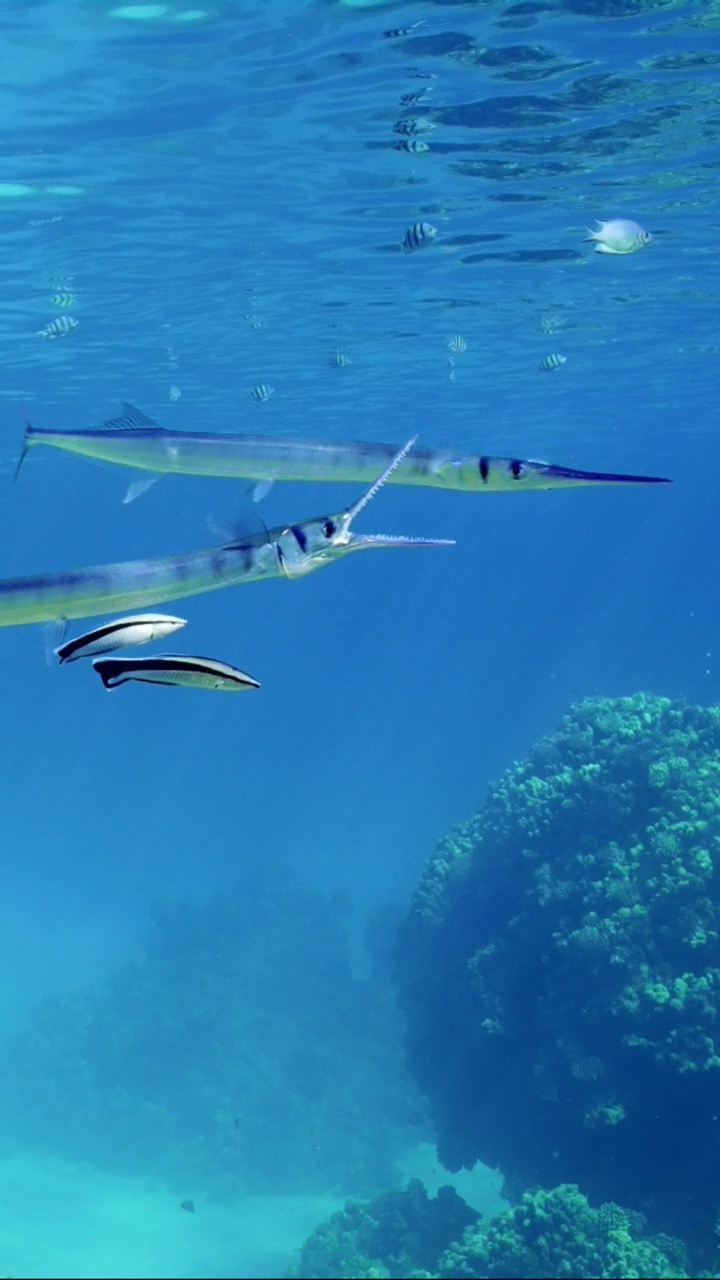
{"x": 549, "y": 1233}
{"x": 560, "y": 967}
{"x": 556, "y": 1233}
{"x": 399, "y": 1233}
{"x": 240, "y": 1053}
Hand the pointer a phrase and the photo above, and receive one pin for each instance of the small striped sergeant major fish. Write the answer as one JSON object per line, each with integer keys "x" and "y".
{"x": 64, "y": 298}
{"x": 395, "y": 33}
{"x": 287, "y": 551}
{"x": 414, "y": 145}
{"x": 411, "y": 127}
{"x": 412, "y": 99}
{"x": 418, "y": 236}
{"x": 457, "y": 344}
{"x": 339, "y": 360}
{"x": 551, "y": 322}
{"x": 262, "y": 392}
{"x": 138, "y": 628}
{"x": 186, "y": 672}
{"x": 134, "y": 440}
{"x": 552, "y": 362}
{"x": 59, "y": 328}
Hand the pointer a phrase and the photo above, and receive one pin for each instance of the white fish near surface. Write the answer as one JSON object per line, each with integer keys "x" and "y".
{"x": 175, "y": 669}
{"x": 457, "y": 344}
{"x": 121, "y": 633}
{"x": 619, "y": 235}
{"x": 59, "y": 328}
{"x": 553, "y": 362}
{"x": 418, "y": 236}
{"x": 262, "y": 392}
{"x": 174, "y": 393}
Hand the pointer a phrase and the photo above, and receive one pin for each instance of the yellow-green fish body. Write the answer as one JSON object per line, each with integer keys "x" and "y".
{"x": 135, "y": 441}
{"x": 134, "y": 584}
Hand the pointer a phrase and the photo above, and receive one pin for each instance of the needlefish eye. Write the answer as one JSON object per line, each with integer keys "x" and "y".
{"x": 328, "y": 528}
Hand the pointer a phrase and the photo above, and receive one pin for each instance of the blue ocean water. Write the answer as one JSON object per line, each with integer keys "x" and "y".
{"x": 218, "y": 189}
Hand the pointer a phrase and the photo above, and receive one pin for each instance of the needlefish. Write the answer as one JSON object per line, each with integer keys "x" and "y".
{"x": 287, "y": 551}
{"x": 134, "y": 440}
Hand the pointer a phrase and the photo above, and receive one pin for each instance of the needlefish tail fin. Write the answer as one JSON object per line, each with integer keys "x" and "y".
{"x": 27, "y": 441}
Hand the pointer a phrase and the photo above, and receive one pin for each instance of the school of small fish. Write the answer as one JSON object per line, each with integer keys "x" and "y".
{"x": 288, "y": 551}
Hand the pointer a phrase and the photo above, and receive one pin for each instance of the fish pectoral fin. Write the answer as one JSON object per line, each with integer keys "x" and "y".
{"x": 259, "y": 489}
{"x": 138, "y": 488}
{"x": 224, "y": 530}
{"x": 55, "y": 633}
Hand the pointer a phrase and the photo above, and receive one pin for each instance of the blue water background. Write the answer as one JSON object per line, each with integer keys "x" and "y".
{"x": 240, "y": 168}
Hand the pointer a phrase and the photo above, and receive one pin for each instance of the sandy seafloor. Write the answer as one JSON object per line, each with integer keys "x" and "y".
{"x": 67, "y": 1220}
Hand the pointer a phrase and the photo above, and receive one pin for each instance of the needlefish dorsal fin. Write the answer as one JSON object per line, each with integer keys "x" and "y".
{"x": 131, "y": 419}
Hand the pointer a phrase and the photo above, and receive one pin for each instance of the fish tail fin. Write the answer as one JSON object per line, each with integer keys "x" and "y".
{"x": 105, "y": 671}
{"x": 28, "y": 432}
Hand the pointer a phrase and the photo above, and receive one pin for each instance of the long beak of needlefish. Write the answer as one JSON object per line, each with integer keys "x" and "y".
{"x": 358, "y": 541}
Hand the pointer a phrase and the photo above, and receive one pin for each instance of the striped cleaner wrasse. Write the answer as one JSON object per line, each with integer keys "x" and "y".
{"x": 120, "y": 633}
{"x": 134, "y": 440}
{"x": 182, "y": 670}
{"x": 287, "y": 551}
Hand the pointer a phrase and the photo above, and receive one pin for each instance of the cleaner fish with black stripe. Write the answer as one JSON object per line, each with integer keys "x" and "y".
{"x": 135, "y": 440}
{"x": 139, "y": 628}
{"x": 181, "y": 670}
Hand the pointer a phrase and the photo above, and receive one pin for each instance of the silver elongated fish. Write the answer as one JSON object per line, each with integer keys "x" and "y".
{"x": 137, "y": 628}
{"x": 287, "y": 551}
{"x": 134, "y": 440}
{"x": 175, "y": 669}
